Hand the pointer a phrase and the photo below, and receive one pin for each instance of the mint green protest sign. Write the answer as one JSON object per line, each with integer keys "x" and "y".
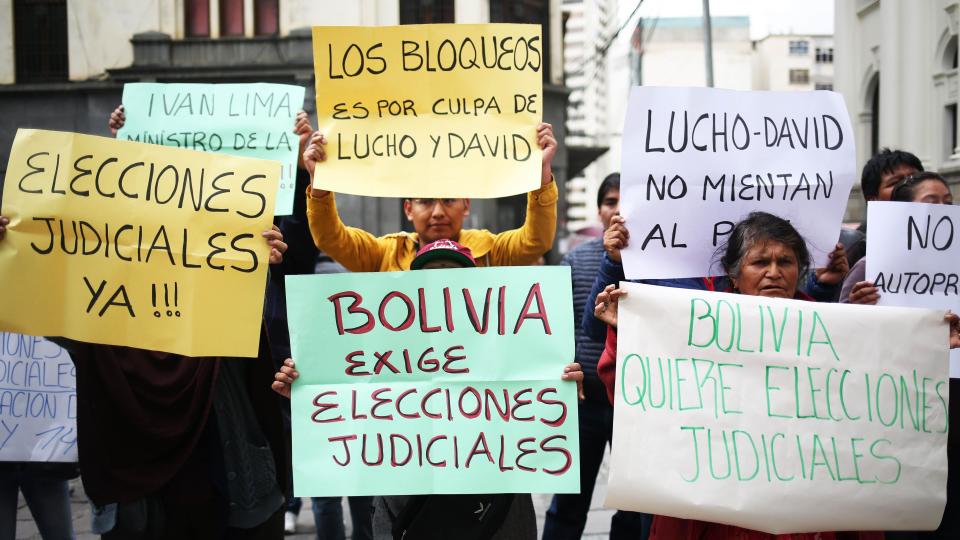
{"x": 433, "y": 381}
{"x": 251, "y": 120}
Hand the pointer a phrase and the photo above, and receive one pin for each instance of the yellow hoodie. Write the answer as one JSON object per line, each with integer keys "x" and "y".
{"x": 359, "y": 251}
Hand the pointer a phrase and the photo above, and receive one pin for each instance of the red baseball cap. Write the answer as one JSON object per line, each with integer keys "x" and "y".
{"x": 443, "y": 249}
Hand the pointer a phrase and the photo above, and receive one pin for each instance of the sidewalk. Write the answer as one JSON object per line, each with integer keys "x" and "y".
{"x": 598, "y": 521}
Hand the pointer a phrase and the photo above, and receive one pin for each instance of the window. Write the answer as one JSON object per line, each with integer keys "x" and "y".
{"x": 529, "y": 12}
{"x": 823, "y": 86}
{"x": 799, "y": 76}
{"x": 949, "y": 59}
{"x": 799, "y": 47}
{"x": 426, "y": 11}
{"x": 231, "y": 17}
{"x": 824, "y": 55}
{"x": 875, "y": 115}
{"x": 196, "y": 18}
{"x": 950, "y": 117}
{"x": 40, "y": 40}
{"x": 266, "y": 20}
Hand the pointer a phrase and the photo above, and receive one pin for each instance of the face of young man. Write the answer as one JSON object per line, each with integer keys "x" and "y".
{"x": 609, "y": 207}
{"x": 436, "y": 219}
{"x": 889, "y": 180}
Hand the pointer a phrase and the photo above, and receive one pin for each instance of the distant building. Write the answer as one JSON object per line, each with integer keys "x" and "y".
{"x": 63, "y": 63}
{"x": 671, "y": 52}
{"x": 588, "y": 26}
{"x": 896, "y": 66}
{"x": 666, "y": 51}
{"x": 793, "y": 62}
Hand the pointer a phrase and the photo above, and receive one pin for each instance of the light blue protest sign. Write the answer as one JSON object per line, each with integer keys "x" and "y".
{"x": 251, "y": 120}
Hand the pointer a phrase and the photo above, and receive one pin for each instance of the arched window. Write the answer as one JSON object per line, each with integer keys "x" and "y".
{"x": 949, "y": 58}
{"x": 873, "y": 104}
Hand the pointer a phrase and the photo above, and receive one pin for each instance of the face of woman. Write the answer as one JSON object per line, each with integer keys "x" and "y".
{"x": 768, "y": 269}
{"x": 933, "y": 192}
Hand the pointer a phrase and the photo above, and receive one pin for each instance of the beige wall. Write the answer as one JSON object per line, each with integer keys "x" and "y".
{"x": 306, "y": 13}
{"x": 7, "y": 69}
{"x": 99, "y": 31}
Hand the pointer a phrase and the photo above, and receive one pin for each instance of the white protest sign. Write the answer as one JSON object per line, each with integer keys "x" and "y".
{"x": 698, "y": 160}
{"x": 779, "y": 415}
{"x": 914, "y": 257}
{"x": 38, "y": 400}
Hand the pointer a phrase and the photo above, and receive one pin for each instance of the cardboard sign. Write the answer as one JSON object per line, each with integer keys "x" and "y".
{"x": 433, "y": 381}
{"x": 778, "y": 415}
{"x": 38, "y": 400}
{"x": 915, "y": 258}
{"x": 698, "y": 160}
{"x": 435, "y": 110}
{"x": 135, "y": 244}
{"x": 249, "y": 120}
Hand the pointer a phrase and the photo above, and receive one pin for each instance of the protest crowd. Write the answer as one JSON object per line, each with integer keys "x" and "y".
{"x": 177, "y": 445}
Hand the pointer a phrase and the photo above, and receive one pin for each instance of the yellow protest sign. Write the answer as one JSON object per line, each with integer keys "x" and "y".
{"x": 135, "y": 244}
{"x": 439, "y": 110}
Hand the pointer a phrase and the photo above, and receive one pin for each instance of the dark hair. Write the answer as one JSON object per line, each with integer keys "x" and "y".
{"x": 612, "y": 181}
{"x": 757, "y": 228}
{"x": 883, "y": 163}
{"x": 904, "y": 191}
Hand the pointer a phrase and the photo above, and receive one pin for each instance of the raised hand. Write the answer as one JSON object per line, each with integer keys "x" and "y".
{"x": 277, "y": 246}
{"x": 117, "y": 119}
{"x": 303, "y": 129}
{"x": 283, "y": 379}
{"x": 549, "y": 146}
{"x": 607, "y": 302}
{"x": 836, "y": 269}
{"x": 616, "y": 237}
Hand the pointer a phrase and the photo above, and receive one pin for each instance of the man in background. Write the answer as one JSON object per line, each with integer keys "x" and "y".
{"x": 567, "y": 514}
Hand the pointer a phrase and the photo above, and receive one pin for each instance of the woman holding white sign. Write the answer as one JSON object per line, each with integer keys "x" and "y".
{"x": 764, "y": 256}
{"x": 929, "y": 188}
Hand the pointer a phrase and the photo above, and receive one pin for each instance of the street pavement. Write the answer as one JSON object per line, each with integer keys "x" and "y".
{"x": 598, "y": 520}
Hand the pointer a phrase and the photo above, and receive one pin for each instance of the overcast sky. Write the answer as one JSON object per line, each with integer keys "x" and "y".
{"x": 766, "y": 16}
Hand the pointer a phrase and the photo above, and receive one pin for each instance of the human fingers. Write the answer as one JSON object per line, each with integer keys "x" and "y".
{"x": 954, "y": 321}
{"x": 281, "y": 388}
{"x": 278, "y": 245}
{"x": 546, "y": 141}
{"x": 283, "y": 378}
{"x": 864, "y": 292}
{"x": 316, "y": 149}
{"x": 272, "y": 234}
{"x": 620, "y": 228}
{"x": 290, "y": 372}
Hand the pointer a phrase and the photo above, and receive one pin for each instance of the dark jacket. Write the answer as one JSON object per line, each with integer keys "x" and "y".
{"x": 584, "y": 263}
{"x": 145, "y": 423}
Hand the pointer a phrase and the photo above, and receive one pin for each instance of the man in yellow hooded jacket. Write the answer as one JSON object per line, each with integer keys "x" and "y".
{"x": 434, "y": 219}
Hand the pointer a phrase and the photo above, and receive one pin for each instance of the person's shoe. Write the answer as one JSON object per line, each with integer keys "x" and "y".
{"x": 289, "y": 523}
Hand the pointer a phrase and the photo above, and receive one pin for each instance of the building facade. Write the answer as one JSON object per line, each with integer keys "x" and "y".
{"x": 793, "y": 62}
{"x": 63, "y": 63}
{"x": 896, "y": 66}
{"x": 588, "y": 26}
